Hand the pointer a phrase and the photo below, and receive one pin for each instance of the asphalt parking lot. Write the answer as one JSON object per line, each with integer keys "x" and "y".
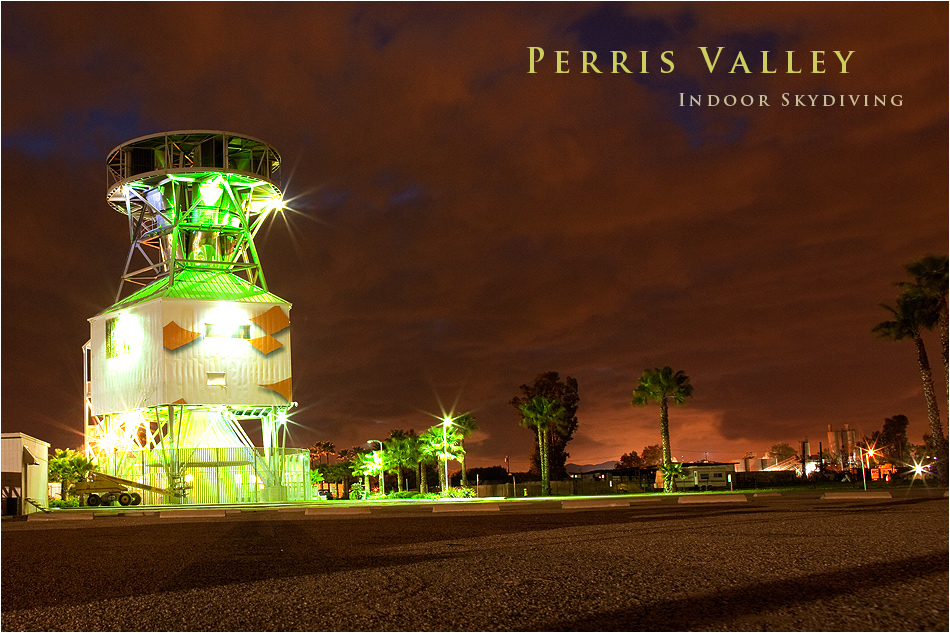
{"x": 742, "y": 562}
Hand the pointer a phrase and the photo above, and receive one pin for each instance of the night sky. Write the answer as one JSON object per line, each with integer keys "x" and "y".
{"x": 462, "y": 226}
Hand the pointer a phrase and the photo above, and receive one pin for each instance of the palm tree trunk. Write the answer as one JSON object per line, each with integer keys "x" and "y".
{"x": 933, "y": 412}
{"x": 542, "y": 458}
{"x": 547, "y": 456}
{"x": 942, "y": 320}
{"x": 464, "y": 473}
{"x": 665, "y": 437}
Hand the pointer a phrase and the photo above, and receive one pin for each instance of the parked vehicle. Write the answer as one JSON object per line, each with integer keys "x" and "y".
{"x": 102, "y": 490}
{"x": 705, "y": 476}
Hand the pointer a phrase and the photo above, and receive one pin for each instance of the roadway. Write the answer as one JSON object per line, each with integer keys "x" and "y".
{"x": 788, "y": 562}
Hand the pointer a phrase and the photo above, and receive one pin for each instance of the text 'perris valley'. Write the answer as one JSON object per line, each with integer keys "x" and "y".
{"x": 771, "y": 62}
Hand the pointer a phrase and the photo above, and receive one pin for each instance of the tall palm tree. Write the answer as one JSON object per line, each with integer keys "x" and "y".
{"x": 412, "y": 451}
{"x": 328, "y": 449}
{"x": 662, "y": 385}
{"x": 440, "y": 444}
{"x": 911, "y": 315}
{"x": 316, "y": 452}
{"x": 364, "y": 464}
{"x": 397, "y": 449}
{"x": 466, "y": 425}
{"x": 345, "y": 457}
{"x": 931, "y": 282}
{"x": 543, "y": 414}
{"x": 320, "y": 450}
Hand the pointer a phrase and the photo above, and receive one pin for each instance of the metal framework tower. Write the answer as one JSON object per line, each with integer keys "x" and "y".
{"x": 173, "y": 368}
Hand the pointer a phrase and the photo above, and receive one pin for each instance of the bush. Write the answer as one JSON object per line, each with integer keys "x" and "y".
{"x": 460, "y": 493}
{"x": 59, "y": 503}
{"x": 357, "y": 493}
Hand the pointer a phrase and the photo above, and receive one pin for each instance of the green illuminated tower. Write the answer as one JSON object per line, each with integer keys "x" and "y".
{"x": 199, "y": 346}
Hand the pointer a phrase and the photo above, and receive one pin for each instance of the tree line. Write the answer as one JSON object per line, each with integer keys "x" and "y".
{"x": 404, "y": 454}
{"x": 922, "y": 305}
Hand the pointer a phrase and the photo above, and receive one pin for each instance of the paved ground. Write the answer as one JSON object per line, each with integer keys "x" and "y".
{"x": 794, "y": 562}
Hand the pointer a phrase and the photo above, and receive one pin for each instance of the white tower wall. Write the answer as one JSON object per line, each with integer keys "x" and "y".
{"x": 177, "y": 351}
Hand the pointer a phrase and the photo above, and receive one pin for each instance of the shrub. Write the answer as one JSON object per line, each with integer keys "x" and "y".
{"x": 357, "y": 493}
{"x": 59, "y": 503}
{"x": 460, "y": 493}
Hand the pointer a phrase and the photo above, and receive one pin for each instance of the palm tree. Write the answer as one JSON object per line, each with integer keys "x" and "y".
{"x": 319, "y": 450}
{"x": 412, "y": 452}
{"x": 345, "y": 457}
{"x": 68, "y": 467}
{"x": 328, "y": 449}
{"x": 316, "y": 452}
{"x": 931, "y": 279}
{"x": 660, "y": 385}
{"x": 543, "y": 414}
{"x": 397, "y": 450}
{"x": 912, "y": 314}
{"x": 364, "y": 464}
{"x": 466, "y": 425}
{"x": 440, "y": 444}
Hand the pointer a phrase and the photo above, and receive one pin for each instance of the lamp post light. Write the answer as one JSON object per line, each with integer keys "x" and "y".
{"x": 382, "y": 469}
{"x": 446, "y": 421}
{"x": 861, "y": 459}
{"x": 865, "y": 455}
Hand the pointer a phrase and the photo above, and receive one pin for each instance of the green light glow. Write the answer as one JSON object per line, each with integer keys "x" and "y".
{"x": 210, "y": 194}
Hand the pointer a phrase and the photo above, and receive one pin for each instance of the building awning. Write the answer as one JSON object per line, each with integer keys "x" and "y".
{"x": 29, "y": 459}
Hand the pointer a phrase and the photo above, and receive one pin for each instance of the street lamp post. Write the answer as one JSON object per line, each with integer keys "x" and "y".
{"x": 446, "y": 421}
{"x": 865, "y": 455}
{"x": 861, "y": 458}
{"x": 382, "y": 469}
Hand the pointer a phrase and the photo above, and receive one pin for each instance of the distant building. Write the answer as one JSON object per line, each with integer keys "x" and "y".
{"x": 751, "y": 462}
{"x": 843, "y": 446}
{"x": 25, "y": 466}
{"x": 619, "y": 480}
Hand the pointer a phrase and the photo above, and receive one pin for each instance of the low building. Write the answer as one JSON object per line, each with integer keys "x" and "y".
{"x": 703, "y": 475}
{"x": 616, "y": 480}
{"x": 25, "y": 473}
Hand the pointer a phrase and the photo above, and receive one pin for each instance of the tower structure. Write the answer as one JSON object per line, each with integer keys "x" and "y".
{"x": 195, "y": 346}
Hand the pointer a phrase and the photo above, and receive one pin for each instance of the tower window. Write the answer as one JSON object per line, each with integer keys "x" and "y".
{"x": 226, "y": 330}
{"x": 117, "y": 342}
{"x": 217, "y": 379}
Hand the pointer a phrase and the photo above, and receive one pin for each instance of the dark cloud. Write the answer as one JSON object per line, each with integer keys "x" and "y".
{"x": 465, "y": 226}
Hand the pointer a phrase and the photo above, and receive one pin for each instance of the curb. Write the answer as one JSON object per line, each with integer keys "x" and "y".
{"x": 714, "y": 499}
{"x": 841, "y": 496}
{"x": 594, "y": 503}
{"x": 78, "y": 516}
{"x": 336, "y": 511}
{"x": 467, "y": 507}
{"x": 191, "y": 514}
